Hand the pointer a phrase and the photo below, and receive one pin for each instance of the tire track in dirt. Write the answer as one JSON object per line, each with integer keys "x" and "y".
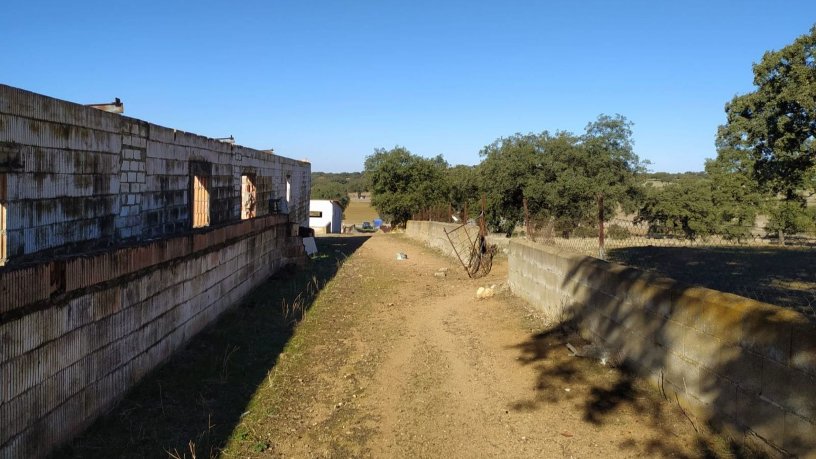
{"x": 417, "y": 367}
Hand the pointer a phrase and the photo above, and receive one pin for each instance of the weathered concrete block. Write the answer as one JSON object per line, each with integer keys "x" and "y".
{"x": 718, "y": 393}
{"x": 766, "y": 330}
{"x": 800, "y": 436}
{"x": 789, "y": 388}
{"x": 742, "y": 367}
{"x": 763, "y": 418}
{"x": 702, "y": 348}
{"x": 24, "y": 286}
{"x": 803, "y": 348}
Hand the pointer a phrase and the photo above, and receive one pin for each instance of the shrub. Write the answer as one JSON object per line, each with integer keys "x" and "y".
{"x": 616, "y": 231}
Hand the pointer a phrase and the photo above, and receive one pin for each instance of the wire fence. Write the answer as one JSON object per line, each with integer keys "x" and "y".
{"x": 600, "y": 239}
{"x": 751, "y": 261}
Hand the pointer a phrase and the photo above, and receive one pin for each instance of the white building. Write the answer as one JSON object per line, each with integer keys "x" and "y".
{"x": 325, "y": 216}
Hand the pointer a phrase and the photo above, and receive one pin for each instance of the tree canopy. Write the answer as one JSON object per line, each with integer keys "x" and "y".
{"x": 775, "y": 125}
{"x": 561, "y": 175}
{"x": 403, "y": 183}
{"x": 334, "y": 191}
{"x": 337, "y": 185}
{"x": 682, "y": 208}
{"x": 768, "y": 145}
{"x": 462, "y": 185}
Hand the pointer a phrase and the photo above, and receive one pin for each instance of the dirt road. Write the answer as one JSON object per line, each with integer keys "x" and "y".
{"x": 394, "y": 360}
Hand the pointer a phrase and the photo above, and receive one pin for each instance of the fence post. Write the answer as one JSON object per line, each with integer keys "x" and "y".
{"x": 601, "y": 242}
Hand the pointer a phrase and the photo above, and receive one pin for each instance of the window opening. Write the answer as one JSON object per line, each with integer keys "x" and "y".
{"x": 315, "y": 214}
{"x": 248, "y": 196}
{"x": 288, "y": 189}
{"x": 201, "y": 202}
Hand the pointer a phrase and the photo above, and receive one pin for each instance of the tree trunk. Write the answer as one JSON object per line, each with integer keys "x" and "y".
{"x": 781, "y": 237}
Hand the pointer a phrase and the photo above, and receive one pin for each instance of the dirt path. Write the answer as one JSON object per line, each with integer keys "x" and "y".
{"x": 395, "y": 361}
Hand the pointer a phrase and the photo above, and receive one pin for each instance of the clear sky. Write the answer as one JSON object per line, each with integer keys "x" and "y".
{"x": 329, "y": 81}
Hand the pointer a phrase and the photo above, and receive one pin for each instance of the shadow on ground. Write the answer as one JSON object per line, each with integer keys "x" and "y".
{"x": 663, "y": 330}
{"x": 780, "y": 276}
{"x": 190, "y": 406}
{"x": 607, "y": 395}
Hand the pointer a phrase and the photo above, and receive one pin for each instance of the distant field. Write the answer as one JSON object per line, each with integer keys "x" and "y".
{"x": 359, "y": 211}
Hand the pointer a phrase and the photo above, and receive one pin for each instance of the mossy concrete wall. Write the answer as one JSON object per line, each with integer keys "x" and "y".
{"x": 746, "y": 366}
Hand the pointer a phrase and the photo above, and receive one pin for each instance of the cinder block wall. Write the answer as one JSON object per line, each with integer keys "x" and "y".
{"x": 76, "y": 333}
{"x": 104, "y": 276}
{"x": 747, "y": 366}
{"x": 75, "y": 177}
{"x": 432, "y": 234}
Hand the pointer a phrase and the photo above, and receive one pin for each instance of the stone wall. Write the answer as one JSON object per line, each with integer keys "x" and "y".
{"x": 748, "y": 367}
{"x": 75, "y": 177}
{"x": 77, "y": 332}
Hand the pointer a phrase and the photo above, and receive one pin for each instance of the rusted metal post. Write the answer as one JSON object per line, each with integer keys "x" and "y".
{"x": 601, "y": 242}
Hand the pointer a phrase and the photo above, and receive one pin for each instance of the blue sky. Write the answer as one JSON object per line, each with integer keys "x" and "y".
{"x": 330, "y": 81}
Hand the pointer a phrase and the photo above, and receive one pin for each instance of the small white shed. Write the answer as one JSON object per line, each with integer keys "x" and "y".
{"x": 325, "y": 216}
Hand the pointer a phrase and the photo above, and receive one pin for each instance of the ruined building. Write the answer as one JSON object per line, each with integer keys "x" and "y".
{"x": 119, "y": 241}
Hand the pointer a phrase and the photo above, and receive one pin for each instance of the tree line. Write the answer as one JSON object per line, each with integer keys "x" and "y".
{"x": 336, "y": 186}
{"x": 766, "y": 163}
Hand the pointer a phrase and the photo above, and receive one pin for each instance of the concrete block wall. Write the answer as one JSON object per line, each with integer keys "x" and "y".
{"x": 75, "y": 177}
{"x": 748, "y": 367}
{"x": 77, "y": 332}
{"x": 433, "y": 235}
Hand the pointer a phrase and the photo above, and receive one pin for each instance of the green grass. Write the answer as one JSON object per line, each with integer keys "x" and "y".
{"x": 359, "y": 211}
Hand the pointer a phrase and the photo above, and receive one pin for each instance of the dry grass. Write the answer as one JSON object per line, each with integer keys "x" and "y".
{"x": 189, "y": 407}
{"x": 359, "y": 211}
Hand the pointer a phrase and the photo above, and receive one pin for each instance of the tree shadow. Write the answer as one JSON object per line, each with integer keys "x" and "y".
{"x": 602, "y": 394}
{"x": 742, "y": 367}
{"x": 190, "y": 406}
{"x": 783, "y": 276}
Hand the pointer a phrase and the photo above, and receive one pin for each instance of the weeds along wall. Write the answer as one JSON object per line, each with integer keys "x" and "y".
{"x": 77, "y": 177}
{"x": 747, "y": 367}
{"x": 77, "y": 333}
